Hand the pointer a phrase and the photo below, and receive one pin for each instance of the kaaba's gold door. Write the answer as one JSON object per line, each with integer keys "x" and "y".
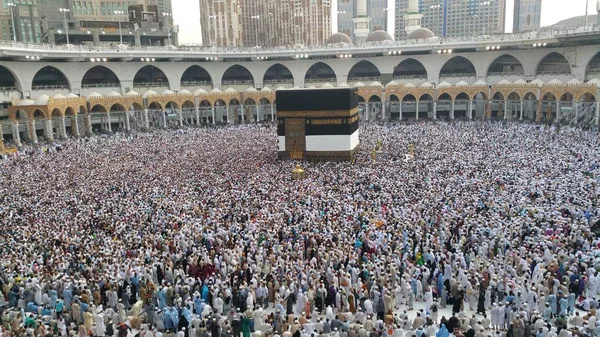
{"x": 295, "y": 137}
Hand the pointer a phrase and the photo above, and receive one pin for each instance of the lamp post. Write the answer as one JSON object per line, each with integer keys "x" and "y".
{"x": 166, "y": 15}
{"x": 256, "y": 18}
{"x": 120, "y": 31}
{"x": 65, "y": 11}
{"x": 12, "y": 18}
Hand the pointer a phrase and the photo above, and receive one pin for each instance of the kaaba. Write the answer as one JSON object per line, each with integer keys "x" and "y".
{"x": 317, "y": 124}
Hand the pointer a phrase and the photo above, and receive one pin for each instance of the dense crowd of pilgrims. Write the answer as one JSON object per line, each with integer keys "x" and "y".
{"x": 487, "y": 231}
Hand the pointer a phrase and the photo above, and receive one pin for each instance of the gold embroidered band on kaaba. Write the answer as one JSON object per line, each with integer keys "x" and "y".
{"x": 317, "y": 113}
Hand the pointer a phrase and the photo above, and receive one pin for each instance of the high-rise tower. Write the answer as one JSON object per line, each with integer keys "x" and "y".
{"x": 413, "y": 17}
{"x": 361, "y": 22}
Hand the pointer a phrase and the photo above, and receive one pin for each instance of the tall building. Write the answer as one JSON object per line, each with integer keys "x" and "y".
{"x": 376, "y": 10}
{"x": 265, "y": 22}
{"x": 455, "y": 18}
{"x": 361, "y": 21}
{"x": 527, "y": 15}
{"x": 221, "y": 23}
{"x": 88, "y": 21}
{"x": 26, "y": 16}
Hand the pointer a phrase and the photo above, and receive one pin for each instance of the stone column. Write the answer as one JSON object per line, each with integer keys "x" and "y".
{"x": 366, "y": 111}
{"x": 521, "y": 112}
{"x": 470, "y": 114}
{"x": 400, "y": 110}
{"x": 434, "y": 110}
{"x": 576, "y": 107}
{"x": 146, "y": 121}
{"x": 164, "y": 118}
{"x": 556, "y": 119}
{"x": 63, "y": 127}
{"x": 452, "y": 110}
{"x": 505, "y": 109}
{"x": 383, "y": 113}
{"x": 257, "y": 114}
{"x": 180, "y": 113}
{"x": 48, "y": 132}
{"x": 417, "y": 110}
{"x": 243, "y": 114}
{"x": 229, "y": 119}
{"x": 15, "y": 133}
{"x": 272, "y": 113}
{"x": 32, "y": 134}
{"x": 597, "y": 112}
{"x": 88, "y": 124}
{"x": 127, "y": 124}
{"x": 197, "y": 116}
{"x": 108, "y": 126}
{"x": 75, "y": 126}
{"x": 212, "y": 108}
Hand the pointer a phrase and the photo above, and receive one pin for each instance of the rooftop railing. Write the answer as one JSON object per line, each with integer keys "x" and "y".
{"x": 435, "y": 42}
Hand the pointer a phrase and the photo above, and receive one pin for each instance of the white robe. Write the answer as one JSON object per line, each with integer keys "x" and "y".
{"x": 100, "y": 327}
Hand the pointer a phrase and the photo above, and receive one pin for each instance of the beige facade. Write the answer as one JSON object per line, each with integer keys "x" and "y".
{"x": 27, "y": 20}
{"x": 455, "y": 18}
{"x": 220, "y": 21}
{"x": 265, "y": 22}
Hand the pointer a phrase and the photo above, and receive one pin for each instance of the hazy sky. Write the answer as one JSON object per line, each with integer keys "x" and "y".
{"x": 187, "y": 15}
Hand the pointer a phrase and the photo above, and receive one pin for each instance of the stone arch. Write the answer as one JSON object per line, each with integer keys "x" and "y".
{"x": 196, "y": 75}
{"x": 458, "y": 66}
{"x": 56, "y": 112}
{"x": 233, "y": 101}
{"x": 150, "y": 75}
{"x": 409, "y": 98}
{"x": 8, "y": 79}
{"x": 513, "y": 96}
{"x": 69, "y": 111}
{"x": 592, "y": 70}
{"x": 171, "y": 105}
{"x": 100, "y": 76}
{"x": 136, "y": 107}
{"x": 445, "y": 97}
{"x": 249, "y": 101}
{"x": 19, "y": 114}
{"x": 278, "y": 74}
{"x": 427, "y": 97}
{"x": 587, "y": 97}
{"x": 484, "y": 96}
{"x": 553, "y": 63}
{"x": 264, "y": 101}
{"x": 549, "y": 97}
{"x": 50, "y": 77}
{"x": 237, "y": 74}
{"x": 117, "y": 107}
{"x": 462, "y": 96}
{"x": 364, "y": 71}
{"x": 393, "y": 98}
{"x": 153, "y": 105}
{"x": 98, "y": 108}
{"x": 40, "y": 114}
{"x": 566, "y": 97}
{"x": 320, "y": 72}
{"x": 205, "y": 103}
{"x": 409, "y": 69}
{"x": 188, "y": 104}
{"x": 505, "y": 65}
{"x": 530, "y": 96}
